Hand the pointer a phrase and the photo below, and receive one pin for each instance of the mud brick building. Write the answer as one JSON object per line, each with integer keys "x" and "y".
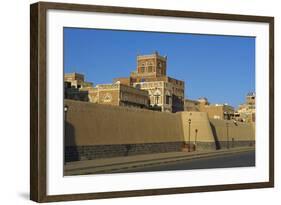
{"x": 214, "y": 111}
{"x": 247, "y": 111}
{"x": 151, "y": 75}
{"x": 117, "y": 94}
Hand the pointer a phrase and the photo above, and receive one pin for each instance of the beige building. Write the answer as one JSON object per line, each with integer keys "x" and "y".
{"x": 147, "y": 87}
{"x": 159, "y": 94}
{"x": 73, "y": 82}
{"x": 214, "y": 111}
{"x": 118, "y": 95}
{"x": 151, "y": 75}
{"x": 76, "y": 80}
{"x": 247, "y": 111}
{"x": 191, "y": 105}
{"x": 74, "y": 93}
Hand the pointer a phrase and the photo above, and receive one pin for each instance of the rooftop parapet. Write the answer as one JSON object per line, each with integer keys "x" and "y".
{"x": 155, "y": 54}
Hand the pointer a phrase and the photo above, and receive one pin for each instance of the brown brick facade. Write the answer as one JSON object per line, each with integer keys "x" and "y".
{"x": 151, "y": 74}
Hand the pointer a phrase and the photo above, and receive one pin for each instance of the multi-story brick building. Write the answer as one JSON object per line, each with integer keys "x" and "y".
{"x": 73, "y": 82}
{"x": 118, "y": 95}
{"x": 247, "y": 111}
{"x": 151, "y": 75}
{"x": 75, "y": 88}
{"x": 73, "y": 93}
{"x": 149, "y": 81}
{"x": 76, "y": 80}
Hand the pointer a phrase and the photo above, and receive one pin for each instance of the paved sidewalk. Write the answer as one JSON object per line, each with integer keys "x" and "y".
{"x": 114, "y": 164}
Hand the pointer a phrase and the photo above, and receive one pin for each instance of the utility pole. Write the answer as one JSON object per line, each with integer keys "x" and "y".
{"x": 189, "y": 122}
{"x": 227, "y": 134}
{"x": 195, "y": 143}
{"x": 65, "y": 109}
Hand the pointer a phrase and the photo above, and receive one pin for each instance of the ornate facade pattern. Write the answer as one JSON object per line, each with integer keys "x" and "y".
{"x": 151, "y": 74}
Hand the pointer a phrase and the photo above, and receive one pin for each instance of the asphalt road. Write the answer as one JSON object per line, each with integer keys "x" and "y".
{"x": 244, "y": 159}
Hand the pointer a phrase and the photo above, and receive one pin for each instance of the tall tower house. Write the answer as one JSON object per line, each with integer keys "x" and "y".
{"x": 152, "y": 65}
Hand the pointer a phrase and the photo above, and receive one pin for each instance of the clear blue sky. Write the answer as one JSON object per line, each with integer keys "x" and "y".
{"x": 221, "y": 68}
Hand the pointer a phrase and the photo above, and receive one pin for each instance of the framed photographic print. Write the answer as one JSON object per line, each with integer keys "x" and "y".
{"x": 135, "y": 102}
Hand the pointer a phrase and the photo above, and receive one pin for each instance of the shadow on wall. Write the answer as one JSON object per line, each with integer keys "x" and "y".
{"x": 70, "y": 149}
{"x": 218, "y": 146}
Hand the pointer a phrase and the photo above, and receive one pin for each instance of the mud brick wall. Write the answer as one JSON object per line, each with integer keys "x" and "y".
{"x": 98, "y": 131}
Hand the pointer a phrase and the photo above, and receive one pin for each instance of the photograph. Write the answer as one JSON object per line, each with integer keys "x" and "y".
{"x": 147, "y": 101}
